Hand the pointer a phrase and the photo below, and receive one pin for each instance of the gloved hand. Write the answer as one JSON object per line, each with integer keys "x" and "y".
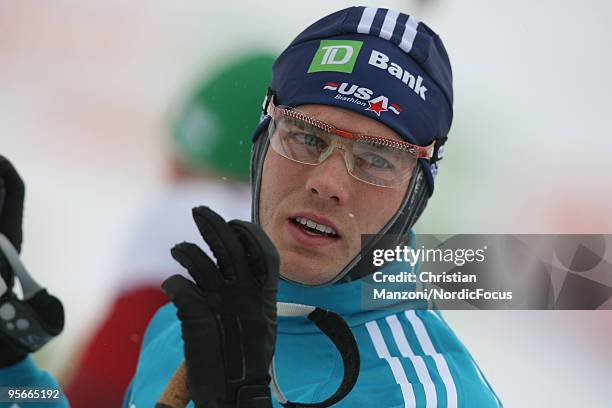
{"x": 25, "y": 324}
{"x": 12, "y": 192}
{"x": 228, "y": 316}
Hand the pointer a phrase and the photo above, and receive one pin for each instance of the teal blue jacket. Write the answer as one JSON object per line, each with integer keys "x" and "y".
{"x": 409, "y": 357}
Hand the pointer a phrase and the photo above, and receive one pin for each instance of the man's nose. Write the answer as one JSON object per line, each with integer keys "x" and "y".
{"x": 330, "y": 180}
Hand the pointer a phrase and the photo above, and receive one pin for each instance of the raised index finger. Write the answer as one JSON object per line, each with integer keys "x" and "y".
{"x": 221, "y": 240}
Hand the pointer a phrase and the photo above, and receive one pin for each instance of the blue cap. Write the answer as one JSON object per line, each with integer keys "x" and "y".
{"x": 377, "y": 62}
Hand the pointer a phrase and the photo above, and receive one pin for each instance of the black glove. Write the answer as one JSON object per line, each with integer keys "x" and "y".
{"x": 25, "y": 324}
{"x": 12, "y": 192}
{"x": 228, "y": 317}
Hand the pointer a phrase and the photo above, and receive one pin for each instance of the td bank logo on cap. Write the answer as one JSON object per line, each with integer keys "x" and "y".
{"x": 335, "y": 56}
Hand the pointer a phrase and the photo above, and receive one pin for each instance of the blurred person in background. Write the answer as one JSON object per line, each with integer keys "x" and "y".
{"x": 209, "y": 163}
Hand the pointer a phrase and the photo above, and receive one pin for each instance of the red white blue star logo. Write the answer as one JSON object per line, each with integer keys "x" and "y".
{"x": 376, "y": 107}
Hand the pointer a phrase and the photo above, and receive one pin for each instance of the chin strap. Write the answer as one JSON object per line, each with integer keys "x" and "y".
{"x": 394, "y": 233}
{"x": 338, "y": 331}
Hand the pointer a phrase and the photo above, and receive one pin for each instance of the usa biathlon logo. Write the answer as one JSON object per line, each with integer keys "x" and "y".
{"x": 360, "y": 95}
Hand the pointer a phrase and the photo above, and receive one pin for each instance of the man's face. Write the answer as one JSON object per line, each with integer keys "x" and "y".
{"x": 328, "y": 195}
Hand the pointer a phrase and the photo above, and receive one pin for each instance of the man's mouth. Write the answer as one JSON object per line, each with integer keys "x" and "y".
{"x": 313, "y": 228}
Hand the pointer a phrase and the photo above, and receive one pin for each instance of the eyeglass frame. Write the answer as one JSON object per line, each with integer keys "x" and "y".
{"x": 430, "y": 153}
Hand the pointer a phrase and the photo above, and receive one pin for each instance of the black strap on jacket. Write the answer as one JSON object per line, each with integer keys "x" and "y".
{"x": 338, "y": 331}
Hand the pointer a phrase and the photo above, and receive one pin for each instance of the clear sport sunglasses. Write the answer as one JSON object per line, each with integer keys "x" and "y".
{"x": 374, "y": 160}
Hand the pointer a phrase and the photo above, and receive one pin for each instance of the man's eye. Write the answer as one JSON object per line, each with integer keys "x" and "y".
{"x": 309, "y": 139}
{"x": 376, "y": 161}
